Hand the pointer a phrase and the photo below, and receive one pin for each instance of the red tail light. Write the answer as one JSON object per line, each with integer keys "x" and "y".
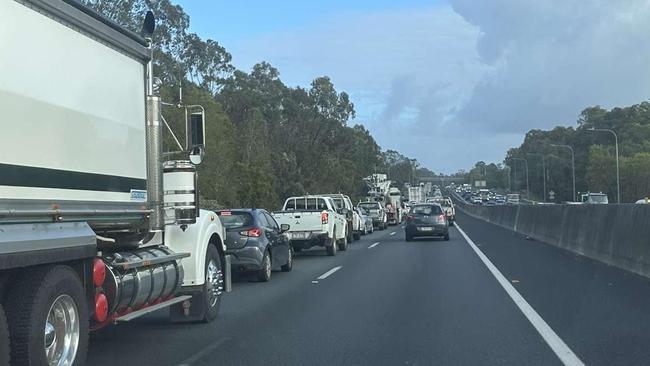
{"x": 99, "y": 272}
{"x": 101, "y": 307}
{"x": 254, "y": 232}
{"x": 324, "y": 217}
{"x": 440, "y": 218}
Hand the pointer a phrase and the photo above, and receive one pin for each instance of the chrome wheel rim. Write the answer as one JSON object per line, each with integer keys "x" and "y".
{"x": 61, "y": 332}
{"x": 290, "y": 260}
{"x": 214, "y": 282}
{"x": 267, "y": 266}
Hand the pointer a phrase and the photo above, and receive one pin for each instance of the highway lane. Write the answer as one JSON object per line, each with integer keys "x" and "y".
{"x": 601, "y": 312}
{"x": 419, "y": 303}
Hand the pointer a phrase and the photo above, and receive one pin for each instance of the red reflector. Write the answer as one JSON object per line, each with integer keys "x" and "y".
{"x": 254, "y": 232}
{"x": 99, "y": 272}
{"x": 101, "y": 308}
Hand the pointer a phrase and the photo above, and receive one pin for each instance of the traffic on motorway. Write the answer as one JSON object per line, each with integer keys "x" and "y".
{"x": 164, "y": 201}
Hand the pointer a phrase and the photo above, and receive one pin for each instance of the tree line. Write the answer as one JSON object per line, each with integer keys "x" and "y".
{"x": 265, "y": 140}
{"x": 594, "y": 149}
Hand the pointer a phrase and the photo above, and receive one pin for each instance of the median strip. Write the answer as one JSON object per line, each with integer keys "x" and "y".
{"x": 329, "y": 273}
{"x": 561, "y": 350}
{"x": 373, "y": 245}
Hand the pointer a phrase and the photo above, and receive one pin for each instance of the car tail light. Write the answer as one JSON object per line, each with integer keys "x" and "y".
{"x": 254, "y": 232}
{"x": 324, "y": 217}
{"x": 440, "y": 218}
{"x": 99, "y": 272}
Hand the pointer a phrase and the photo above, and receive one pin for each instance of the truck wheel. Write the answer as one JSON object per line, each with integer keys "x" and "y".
{"x": 264, "y": 274}
{"x": 447, "y": 237}
{"x": 331, "y": 249}
{"x": 213, "y": 286}
{"x": 357, "y": 236}
{"x": 289, "y": 265}
{"x": 343, "y": 245}
{"x": 4, "y": 339}
{"x": 49, "y": 318}
{"x": 349, "y": 236}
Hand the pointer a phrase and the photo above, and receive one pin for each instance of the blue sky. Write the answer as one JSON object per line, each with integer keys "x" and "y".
{"x": 447, "y": 82}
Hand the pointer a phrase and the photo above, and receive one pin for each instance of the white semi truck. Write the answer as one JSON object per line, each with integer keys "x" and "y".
{"x": 96, "y": 228}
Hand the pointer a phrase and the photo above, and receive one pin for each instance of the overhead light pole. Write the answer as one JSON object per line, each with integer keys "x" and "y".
{"x": 543, "y": 172}
{"x": 618, "y": 177}
{"x": 573, "y": 166}
{"x": 526, "y": 166}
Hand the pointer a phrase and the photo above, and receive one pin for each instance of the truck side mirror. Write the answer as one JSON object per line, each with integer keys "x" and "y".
{"x": 197, "y": 130}
{"x": 284, "y": 228}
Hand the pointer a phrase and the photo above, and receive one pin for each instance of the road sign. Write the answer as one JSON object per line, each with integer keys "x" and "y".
{"x": 551, "y": 195}
{"x": 480, "y": 183}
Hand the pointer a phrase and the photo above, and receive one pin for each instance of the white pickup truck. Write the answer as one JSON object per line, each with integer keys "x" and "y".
{"x": 314, "y": 221}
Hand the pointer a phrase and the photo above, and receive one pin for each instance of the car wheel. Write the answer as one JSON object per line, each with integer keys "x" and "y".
{"x": 447, "y": 236}
{"x": 213, "y": 286}
{"x": 349, "y": 237}
{"x": 331, "y": 249}
{"x": 343, "y": 245}
{"x": 264, "y": 274}
{"x": 49, "y": 318}
{"x": 289, "y": 265}
{"x": 4, "y": 339}
{"x": 357, "y": 236}
{"x": 408, "y": 237}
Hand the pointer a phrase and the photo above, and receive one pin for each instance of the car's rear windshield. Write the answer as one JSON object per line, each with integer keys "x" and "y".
{"x": 233, "y": 219}
{"x": 305, "y": 204}
{"x": 426, "y": 210}
{"x": 370, "y": 205}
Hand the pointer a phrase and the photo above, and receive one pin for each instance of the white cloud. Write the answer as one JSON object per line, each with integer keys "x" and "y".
{"x": 458, "y": 83}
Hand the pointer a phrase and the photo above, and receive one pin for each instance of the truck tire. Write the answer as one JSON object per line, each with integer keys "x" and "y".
{"x": 446, "y": 237}
{"x": 45, "y": 303}
{"x": 349, "y": 236}
{"x": 343, "y": 244}
{"x": 331, "y": 249}
{"x": 357, "y": 236}
{"x": 213, "y": 286}
{"x": 4, "y": 339}
{"x": 264, "y": 274}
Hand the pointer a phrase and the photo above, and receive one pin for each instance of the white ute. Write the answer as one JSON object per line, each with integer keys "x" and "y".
{"x": 314, "y": 221}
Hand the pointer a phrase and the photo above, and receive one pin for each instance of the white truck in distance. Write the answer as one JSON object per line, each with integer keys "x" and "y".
{"x": 314, "y": 221}
{"x": 96, "y": 227}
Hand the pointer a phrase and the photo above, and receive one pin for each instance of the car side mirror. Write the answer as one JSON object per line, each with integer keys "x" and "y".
{"x": 284, "y": 228}
{"x": 344, "y": 211}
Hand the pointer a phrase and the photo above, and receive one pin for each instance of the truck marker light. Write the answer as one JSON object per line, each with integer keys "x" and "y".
{"x": 99, "y": 272}
{"x": 101, "y": 308}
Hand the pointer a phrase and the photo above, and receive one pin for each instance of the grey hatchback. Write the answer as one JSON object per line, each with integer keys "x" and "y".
{"x": 255, "y": 242}
{"x": 427, "y": 219}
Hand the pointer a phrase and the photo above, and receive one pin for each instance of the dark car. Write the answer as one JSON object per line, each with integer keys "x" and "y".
{"x": 426, "y": 220}
{"x": 255, "y": 242}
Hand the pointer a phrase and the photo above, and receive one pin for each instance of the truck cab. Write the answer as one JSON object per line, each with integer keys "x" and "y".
{"x": 594, "y": 198}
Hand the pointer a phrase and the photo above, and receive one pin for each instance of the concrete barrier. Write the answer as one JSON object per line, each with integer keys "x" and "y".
{"x": 618, "y": 235}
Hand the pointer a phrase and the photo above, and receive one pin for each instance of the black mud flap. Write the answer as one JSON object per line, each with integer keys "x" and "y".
{"x": 191, "y": 310}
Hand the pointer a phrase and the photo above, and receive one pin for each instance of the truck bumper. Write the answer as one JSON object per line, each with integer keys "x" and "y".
{"x": 319, "y": 240}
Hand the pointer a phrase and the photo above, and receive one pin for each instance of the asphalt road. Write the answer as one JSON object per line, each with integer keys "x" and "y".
{"x": 428, "y": 302}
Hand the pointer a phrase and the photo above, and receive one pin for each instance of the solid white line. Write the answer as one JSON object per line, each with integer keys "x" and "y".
{"x": 393, "y": 233}
{"x": 328, "y": 273}
{"x": 373, "y": 245}
{"x": 563, "y": 352}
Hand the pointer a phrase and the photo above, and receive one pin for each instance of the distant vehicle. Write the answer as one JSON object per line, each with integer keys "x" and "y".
{"x": 512, "y": 198}
{"x": 447, "y": 206}
{"x": 426, "y": 220}
{"x": 376, "y": 213}
{"x": 594, "y": 198}
{"x": 255, "y": 242}
{"x": 500, "y": 200}
{"x": 643, "y": 201}
{"x": 394, "y": 206}
{"x": 367, "y": 226}
{"x": 343, "y": 201}
{"x": 314, "y": 221}
{"x": 476, "y": 200}
{"x": 484, "y": 194}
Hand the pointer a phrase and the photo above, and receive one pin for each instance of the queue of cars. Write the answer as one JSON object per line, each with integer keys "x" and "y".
{"x": 486, "y": 197}
{"x": 261, "y": 242}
